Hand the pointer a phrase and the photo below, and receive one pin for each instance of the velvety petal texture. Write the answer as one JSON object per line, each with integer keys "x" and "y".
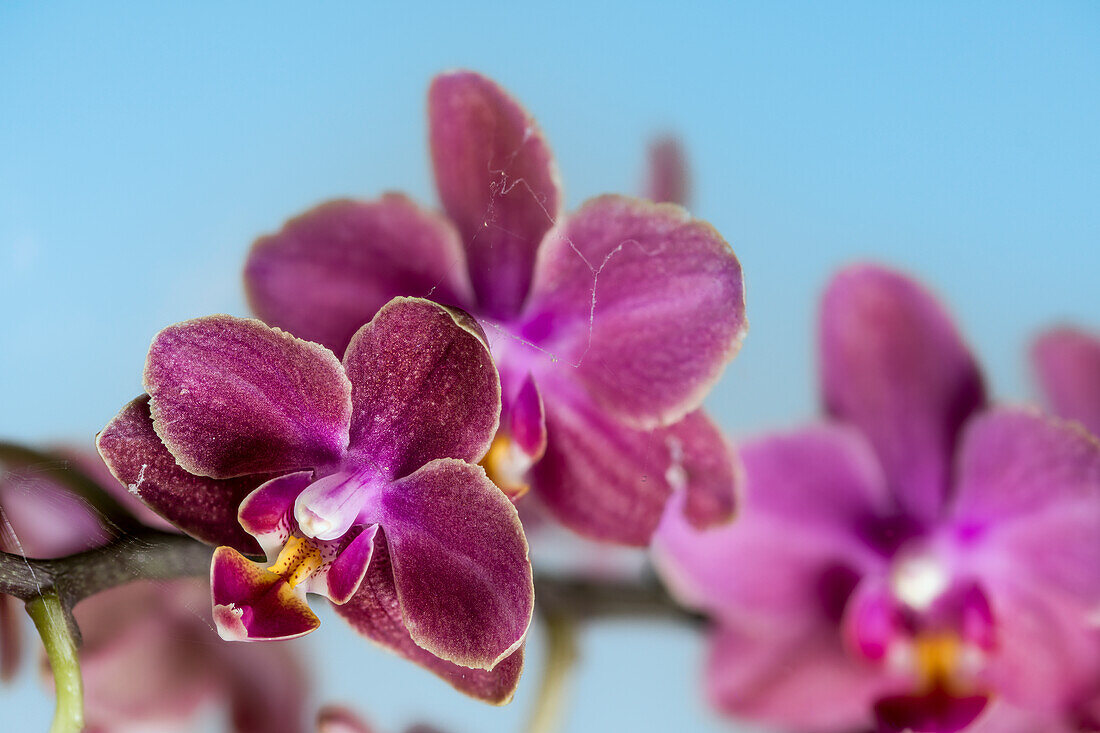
{"x": 375, "y": 612}
{"x": 497, "y": 181}
{"x": 329, "y": 270}
{"x": 254, "y": 604}
{"x": 893, "y": 364}
{"x": 643, "y": 304}
{"x": 460, "y": 564}
{"x": 203, "y": 507}
{"x": 611, "y": 482}
{"x": 1067, "y": 363}
{"x": 423, "y": 387}
{"x": 231, "y": 397}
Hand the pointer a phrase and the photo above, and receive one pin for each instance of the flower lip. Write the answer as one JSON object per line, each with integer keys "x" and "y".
{"x": 329, "y": 506}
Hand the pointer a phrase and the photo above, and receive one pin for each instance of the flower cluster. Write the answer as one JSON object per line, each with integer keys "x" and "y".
{"x": 920, "y": 559}
{"x": 608, "y": 325}
{"x": 917, "y": 554}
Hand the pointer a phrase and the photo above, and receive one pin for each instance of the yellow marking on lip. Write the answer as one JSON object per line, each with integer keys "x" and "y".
{"x": 298, "y": 560}
{"x": 506, "y": 465}
{"x": 937, "y": 659}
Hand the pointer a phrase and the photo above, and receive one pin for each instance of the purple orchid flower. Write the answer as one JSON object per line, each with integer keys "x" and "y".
{"x": 608, "y": 326}
{"x": 912, "y": 557}
{"x": 357, "y": 479}
{"x": 147, "y": 658}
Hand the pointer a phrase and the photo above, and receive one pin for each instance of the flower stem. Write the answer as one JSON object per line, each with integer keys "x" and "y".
{"x": 561, "y": 655}
{"x": 52, "y": 623}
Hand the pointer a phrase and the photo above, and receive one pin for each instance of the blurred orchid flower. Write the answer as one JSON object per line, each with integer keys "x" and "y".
{"x": 909, "y": 559}
{"x": 668, "y": 180}
{"x": 608, "y": 326}
{"x": 357, "y": 479}
{"x": 148, "y": 656}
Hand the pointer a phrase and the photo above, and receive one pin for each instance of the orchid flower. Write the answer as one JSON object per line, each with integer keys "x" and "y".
{"x": 912, "y": 557}
{"x": 357, "y": 479}
{"x": 608, "y": 326}
{"x": 147, "y": 656}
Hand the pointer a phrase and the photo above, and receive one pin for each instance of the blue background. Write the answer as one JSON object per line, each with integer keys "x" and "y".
{"x": 142, "y": 149}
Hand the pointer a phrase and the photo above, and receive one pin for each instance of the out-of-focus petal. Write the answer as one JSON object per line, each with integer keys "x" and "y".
{"x": 423, "y": 387}
{"x": 254, "y": 604}
{"x": 935, "y": 711}
{"x": 1001, "y": 717}
{"x": 611, "y": 482}
{"x": 329, "y": 270}
{"x": 809, "y": 501}
{"x": 338, "y": 719}
{"x": 232, "y": 396}
{"x": 144, "y": 659}
{"x": 642, "y": 304}
{"x": 1028, "y": 498}
{"x": 497, "y": 181}
{"x": 1067, "y": 363}
{"x": 668, "y": 180}
{"x": 1047, "y": 654}
{"x": 702, "y": 464}
{"x": 149, "y": 657}
{"x": 11, "y": 638}
{"x": 375, "y": 612}
{"x": 204, "y": 508}
{"x": 41, "y": 518}
{"x": 460, "y": 563}
{"x": 802, "y": 680}
{"x": 894, "y": 365}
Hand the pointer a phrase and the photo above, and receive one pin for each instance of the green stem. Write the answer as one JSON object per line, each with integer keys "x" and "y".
{"x": 561, "y": 655}
{"x": 51, "y": 621}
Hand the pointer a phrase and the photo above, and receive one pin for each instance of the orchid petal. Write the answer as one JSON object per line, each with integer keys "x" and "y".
{"x": 254, "y": 604}
{"x": 204, "y": 508}
{"x": 895, "y": 366}
{"x": 800, "y": 680}
{"x": 1047, "y": 654}
{"x": 611, "y": 482}
{"x": 338, "y": 719}
{"x": 231, "y": 396}
{"x": 796, "y": 550}
{"x": 423, "y": 386}
{"x": 329, "y": 270}
{"x": 527, "y": 419}
{"x": 460, "y": 563}
{"x": 497, "y": 181}
{"x": 375, "y": 612}
{"x": 1028, "y": 493}
{"x": 935, "y": 711}
{"x": 267, "y": 513}
{"x": 643, "y": 305}
{"x": 668, "y": 180}
{"x": 343, "y": 575}
{"x": 1067, "y": 363}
